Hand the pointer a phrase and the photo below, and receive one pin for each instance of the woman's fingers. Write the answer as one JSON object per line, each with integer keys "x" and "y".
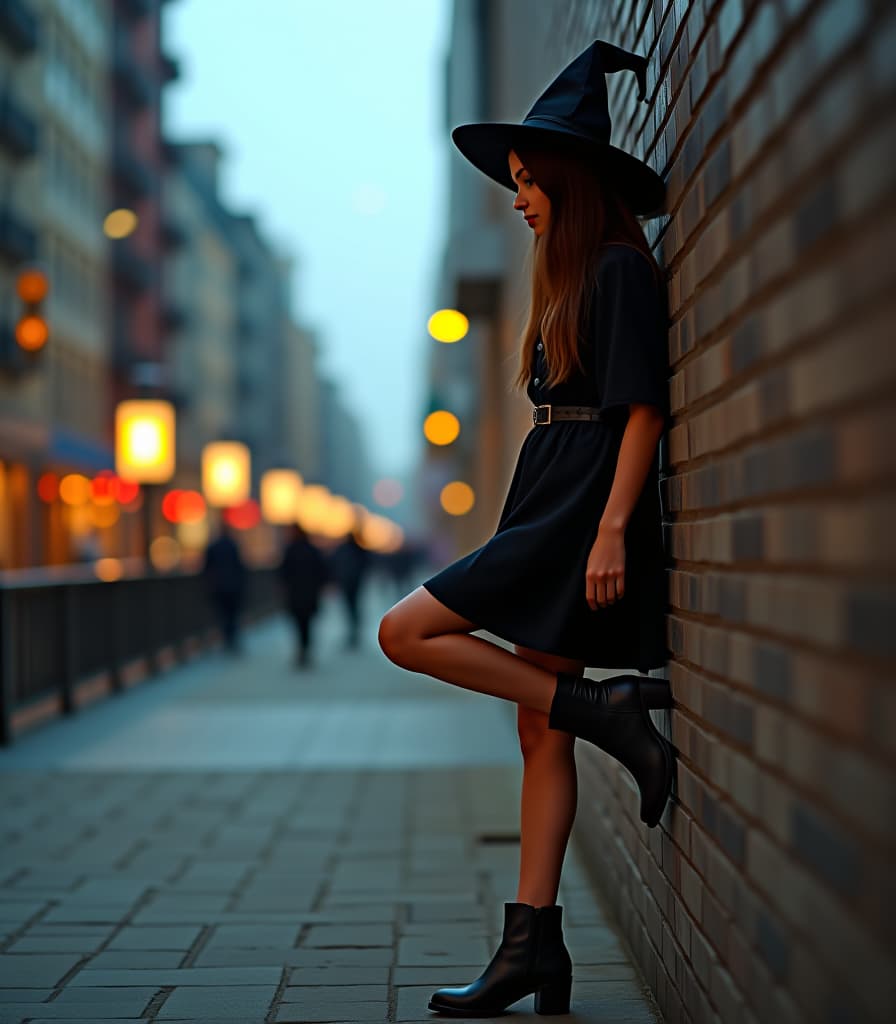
{"x": 605, "y": 591}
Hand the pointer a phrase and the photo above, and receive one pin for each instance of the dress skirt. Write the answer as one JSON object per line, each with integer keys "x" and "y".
{"x": 526, "y": 584}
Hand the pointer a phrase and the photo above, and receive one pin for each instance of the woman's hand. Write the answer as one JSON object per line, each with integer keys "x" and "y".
{"x": 605, "y": 572}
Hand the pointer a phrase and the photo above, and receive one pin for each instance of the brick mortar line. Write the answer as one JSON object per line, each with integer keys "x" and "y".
{"x": 815, "y": 256}
{"x": 199, "y": 943}
{"x": 157, "y": 1001}
{"x": 726, "y": 130}
{"x": 790, "y": 31}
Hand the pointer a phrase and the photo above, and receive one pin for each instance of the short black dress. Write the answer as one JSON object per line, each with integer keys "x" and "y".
{"x": 526, "y": 584}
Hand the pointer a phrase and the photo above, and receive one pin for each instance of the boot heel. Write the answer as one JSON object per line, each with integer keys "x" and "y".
{"x": 655, "y": 693}
{"x": 553, "y": 998}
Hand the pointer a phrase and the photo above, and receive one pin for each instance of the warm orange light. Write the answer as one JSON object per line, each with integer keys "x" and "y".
{"x": 457, "y": 498}
{"x": 32, "y": 285}
{"x": 104, "y": 516}
{"x": 32, "y": 333}
{"x": 120, "y": 223}
{"x": 108, "y": 569}
{"x": 441, "y": 427}
{"x": 144, "y": 440}
{"x": 74, "y": 489}
{"x": 448, "y": 325}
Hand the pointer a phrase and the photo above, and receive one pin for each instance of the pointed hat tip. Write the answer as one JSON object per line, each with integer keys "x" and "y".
{"x": 614, "y": 58}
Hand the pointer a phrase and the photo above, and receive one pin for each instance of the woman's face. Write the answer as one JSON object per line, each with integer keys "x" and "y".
{"x": 534, "y": 204}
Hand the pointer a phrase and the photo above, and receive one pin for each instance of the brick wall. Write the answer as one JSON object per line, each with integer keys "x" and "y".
{"x": 766, "y": 894}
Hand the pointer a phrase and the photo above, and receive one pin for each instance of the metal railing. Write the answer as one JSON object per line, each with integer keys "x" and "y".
{"x": 58, "y": 633}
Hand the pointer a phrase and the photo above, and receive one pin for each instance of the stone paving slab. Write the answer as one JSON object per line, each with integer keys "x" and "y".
{"x": 236, "y": 842}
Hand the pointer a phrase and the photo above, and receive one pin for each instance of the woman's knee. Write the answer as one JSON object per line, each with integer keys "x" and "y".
{"x": 395, "y": 637}
{"x": 406, "y": 627}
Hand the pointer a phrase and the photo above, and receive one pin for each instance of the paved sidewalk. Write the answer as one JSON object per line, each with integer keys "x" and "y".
{"x": 241, "y": 841}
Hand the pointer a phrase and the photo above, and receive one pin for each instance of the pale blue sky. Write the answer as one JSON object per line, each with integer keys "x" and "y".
{"x": 330, "y": 115}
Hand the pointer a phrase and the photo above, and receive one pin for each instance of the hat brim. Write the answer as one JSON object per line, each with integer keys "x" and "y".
{"x": 486, "y": 146}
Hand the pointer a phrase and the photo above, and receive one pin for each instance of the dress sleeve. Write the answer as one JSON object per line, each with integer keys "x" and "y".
{"x": 631, "y": 333}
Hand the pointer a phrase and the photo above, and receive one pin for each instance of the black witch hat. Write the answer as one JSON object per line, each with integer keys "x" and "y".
{"x": 572, "y": 114}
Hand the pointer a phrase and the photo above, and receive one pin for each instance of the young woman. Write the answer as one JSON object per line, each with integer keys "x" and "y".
{"x": 574, "y": 574}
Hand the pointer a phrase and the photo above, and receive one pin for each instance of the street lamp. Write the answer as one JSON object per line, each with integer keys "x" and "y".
{"x": 226, "y": 473}
{"x": 144, "y": 451}
{"x": 280, "y": 493}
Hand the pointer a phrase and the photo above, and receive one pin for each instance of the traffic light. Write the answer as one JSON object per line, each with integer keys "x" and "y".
{"x": 32, "y": 331}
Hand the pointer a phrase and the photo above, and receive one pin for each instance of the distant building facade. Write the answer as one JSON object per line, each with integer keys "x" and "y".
{"x": 200, "y": 299}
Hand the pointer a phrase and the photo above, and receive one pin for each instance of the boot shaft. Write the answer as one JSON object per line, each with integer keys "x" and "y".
{"x": 552, "y": 956}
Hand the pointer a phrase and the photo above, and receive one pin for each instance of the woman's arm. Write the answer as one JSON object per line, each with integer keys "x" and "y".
{"x": 605, "y": 573}
{"x": 642, "y": 433}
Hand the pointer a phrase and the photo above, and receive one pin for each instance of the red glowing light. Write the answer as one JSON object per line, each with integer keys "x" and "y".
{"x": 244, "y": 516}
{"x": 48, "y": 487}
{"x": 102, "y": 486}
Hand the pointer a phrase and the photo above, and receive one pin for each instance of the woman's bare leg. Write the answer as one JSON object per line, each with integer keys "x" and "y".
{"x": 550, "y": 793}
{"x": 420, "y": 634}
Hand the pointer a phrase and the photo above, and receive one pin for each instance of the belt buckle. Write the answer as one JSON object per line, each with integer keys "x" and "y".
{"x": 537, "y": 418}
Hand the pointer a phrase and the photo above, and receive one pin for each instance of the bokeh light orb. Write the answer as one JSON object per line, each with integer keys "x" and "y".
{"x": 441, "y": 427}
{"x": 457, "y": 498}
{"x": 74, "y": 489}
{"x": 120, "y": 223}
{"x": 448, "y": 325}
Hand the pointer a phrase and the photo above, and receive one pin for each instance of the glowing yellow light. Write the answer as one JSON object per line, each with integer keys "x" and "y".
{"x": 448, "y": 325}
{"x": 314, "y": 504}
{"x": 144, "y": 440}
{"x": 457, "y": 498}
{"x": 441, "y": 427}
{"x": 120, "y": 223}
{"x": 339, "y": 518}
{"x": 280, "y": 490}
{"x": 74, "y": 489}
{"x": 226, "y": 473}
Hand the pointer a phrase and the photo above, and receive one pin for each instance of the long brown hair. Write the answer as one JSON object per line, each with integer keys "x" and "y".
{"x": 586, "y": 214}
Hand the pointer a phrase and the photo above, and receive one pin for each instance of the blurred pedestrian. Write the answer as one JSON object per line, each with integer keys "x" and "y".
{"x": 303, "y": 573}
{"x": 349, "y": 562}
{"x": 225, "y": 580}
{"x": 574, "y": 575}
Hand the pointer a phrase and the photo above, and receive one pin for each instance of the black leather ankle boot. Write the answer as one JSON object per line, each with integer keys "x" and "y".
{"x": 532, "y": 957}
{"x": 612, "y": 714}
